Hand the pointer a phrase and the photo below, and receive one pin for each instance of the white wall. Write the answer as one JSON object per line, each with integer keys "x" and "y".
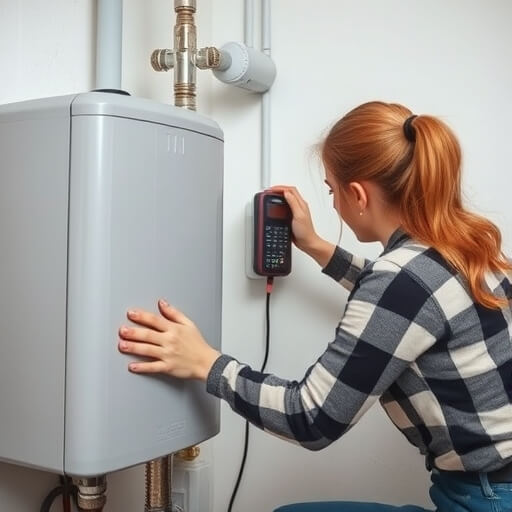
{"x": 449, "y": 58}
{"x": 44, "y": 51}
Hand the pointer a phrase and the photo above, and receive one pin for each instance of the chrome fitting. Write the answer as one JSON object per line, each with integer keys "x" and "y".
{"x": 190, "y": 4}
{"x": 208, "y": 58}
{"x": 91, "y": 493}
{"x": 162, "y": 59}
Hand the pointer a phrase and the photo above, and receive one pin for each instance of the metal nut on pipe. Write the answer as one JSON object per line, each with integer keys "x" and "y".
{"x": 91, "y": 493}
{"x": 212, "y": 58}
{"x": 162, "y": 59}
{"x": 192, "y": 4}
{"x": 190, "y": 453}
{"x": 208, "y": 58}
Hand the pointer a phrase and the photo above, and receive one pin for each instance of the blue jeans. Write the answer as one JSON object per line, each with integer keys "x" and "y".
{"x": 448, "y": 493}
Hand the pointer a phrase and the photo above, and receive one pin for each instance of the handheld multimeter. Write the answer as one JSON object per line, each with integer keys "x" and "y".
{"x": 272, "y": 235}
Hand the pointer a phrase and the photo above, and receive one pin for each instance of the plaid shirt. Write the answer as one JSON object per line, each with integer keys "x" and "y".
{"x": 412, "y": 336}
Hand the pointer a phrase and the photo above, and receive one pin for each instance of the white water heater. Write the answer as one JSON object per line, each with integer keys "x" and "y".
{"x": 107, "y": 202}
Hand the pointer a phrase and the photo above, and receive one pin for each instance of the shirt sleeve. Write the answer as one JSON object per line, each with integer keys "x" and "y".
{"x": 390, "y": 319}
{"x": 345, "y": 267}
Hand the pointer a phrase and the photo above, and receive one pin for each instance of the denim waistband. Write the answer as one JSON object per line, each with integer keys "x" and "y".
{"x": 502, "y": 475}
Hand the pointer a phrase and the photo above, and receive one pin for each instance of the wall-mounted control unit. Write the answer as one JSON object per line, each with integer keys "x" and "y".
{"x": 269, "y": 236}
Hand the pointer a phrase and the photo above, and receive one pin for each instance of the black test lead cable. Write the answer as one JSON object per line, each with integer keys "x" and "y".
{"x": 270, "y": 284}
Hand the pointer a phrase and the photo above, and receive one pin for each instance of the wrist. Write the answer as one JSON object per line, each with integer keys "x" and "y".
{"x": 207, "y": 364}
{"x": 321, "y": 251}
{"x": 312, "y": 245}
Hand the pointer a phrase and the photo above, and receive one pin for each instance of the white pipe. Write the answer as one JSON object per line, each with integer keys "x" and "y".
{"x": 265, "y": 141}
{"x": 249, "y": 23}
{"x": 265, "y": 26}
{"x": 265, "y": 100}
{"x": 108, "y": 44}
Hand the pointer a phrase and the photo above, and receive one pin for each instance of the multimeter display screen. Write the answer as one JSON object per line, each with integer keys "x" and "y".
{"x": 277, "y": 211}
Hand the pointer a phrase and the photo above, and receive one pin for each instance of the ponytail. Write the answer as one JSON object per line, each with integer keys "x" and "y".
{"x": 419, "y": 169}
{"x": 432, "y": 211}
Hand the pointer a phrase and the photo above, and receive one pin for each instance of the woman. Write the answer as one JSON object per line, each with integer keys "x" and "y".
{"x": 426, "y": 329}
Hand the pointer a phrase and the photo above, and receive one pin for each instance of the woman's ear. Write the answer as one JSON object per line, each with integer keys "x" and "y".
{"x": 358, "y": 194}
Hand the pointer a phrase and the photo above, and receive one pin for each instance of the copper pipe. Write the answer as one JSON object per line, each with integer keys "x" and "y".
{"x": 157, "y": 486}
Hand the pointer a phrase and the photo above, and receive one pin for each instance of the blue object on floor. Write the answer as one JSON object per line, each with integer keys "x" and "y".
{"x": 347, "y": 506}
{"x": 449, "y": 493}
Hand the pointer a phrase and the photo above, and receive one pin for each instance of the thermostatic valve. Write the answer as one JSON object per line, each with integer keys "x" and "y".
{"x": 250, "y": 69}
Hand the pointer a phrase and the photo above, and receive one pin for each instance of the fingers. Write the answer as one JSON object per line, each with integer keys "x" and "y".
{"x": 140, "y": 349}
{"x": 148, "y": 367}
{"x": 173, "y": 314}
{"x": 294, "y": 204}
{"x": 155, "y": 322}
{"x": 141, "y": 334}
{"x": 287, "y": 189}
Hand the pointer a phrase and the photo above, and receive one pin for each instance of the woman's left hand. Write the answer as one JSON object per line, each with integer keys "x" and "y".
{"x": 171, "y": 340}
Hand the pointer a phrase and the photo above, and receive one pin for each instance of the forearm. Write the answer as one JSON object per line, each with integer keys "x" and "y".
{"x": 321, "y": 251}
{"x": 267, "y": 401}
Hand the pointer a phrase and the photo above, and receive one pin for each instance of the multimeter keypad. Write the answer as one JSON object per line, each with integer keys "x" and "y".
{"x": 275, "y": 243}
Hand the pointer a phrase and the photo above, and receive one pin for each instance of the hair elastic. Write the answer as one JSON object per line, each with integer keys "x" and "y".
{"x": 409, "y": 131}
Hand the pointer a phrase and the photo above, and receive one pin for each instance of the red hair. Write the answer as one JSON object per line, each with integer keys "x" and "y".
{"x": 423, "y": 180}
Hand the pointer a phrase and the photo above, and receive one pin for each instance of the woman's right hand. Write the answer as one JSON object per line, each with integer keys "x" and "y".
{"x": 304, "y": 234}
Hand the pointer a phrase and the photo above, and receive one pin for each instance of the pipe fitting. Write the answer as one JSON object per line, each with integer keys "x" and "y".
{"x": 212, "y": 58}
{"x": 185, "y": 46}
{"x": 189, "y": 454}
{"x": 162, "y": 59}
{"x": 91, "y": 493}
{"x": 191, "y": 4}
{"x": 208, "y": 58}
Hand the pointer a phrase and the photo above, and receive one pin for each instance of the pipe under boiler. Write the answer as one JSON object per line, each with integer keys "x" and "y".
{"x": 91, "y": 493}
{"x": 158, "y": 485}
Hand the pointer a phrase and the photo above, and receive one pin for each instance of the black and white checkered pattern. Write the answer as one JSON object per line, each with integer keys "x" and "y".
{"x": 411, "y": 336}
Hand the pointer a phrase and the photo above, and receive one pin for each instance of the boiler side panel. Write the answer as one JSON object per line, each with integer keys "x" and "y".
{"x": 34, "y": 167}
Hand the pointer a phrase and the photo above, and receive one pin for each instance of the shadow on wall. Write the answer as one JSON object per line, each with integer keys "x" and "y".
{"x": 317, "y": 295}
{"x": 23, "y": 489}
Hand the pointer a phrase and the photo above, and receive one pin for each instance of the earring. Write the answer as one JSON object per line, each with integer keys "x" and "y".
{"x": 361, "y": 212}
